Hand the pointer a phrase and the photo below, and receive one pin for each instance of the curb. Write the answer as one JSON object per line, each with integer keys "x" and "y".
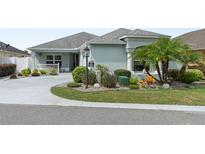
{"x": 132, "y": 106}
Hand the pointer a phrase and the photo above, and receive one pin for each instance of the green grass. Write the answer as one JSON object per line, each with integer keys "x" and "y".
{"x": 161, "y": 96}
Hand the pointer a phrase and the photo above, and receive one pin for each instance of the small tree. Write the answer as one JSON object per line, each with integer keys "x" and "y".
{"x": 163, "y": 51}
{"x": 187, "y": 57}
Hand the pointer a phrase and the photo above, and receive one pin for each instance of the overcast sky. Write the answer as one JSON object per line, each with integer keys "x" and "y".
{"x": 24, "y": 38}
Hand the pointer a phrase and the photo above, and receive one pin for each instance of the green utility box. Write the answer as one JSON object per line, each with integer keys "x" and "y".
{"x": 123, "y": 80}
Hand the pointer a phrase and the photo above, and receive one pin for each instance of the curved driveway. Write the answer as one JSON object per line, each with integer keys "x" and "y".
{"x": 32, "y": 90}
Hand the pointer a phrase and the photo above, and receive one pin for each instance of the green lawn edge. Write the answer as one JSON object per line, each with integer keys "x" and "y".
{"x": 149, "y": 96}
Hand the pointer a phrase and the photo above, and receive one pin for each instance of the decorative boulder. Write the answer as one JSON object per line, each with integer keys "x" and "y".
{"x": 96, "y": 85}
{"x": 117, "y": 85}
{"x": 166, "y": 86}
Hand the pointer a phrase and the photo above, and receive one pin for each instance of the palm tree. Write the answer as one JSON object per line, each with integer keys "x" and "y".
{"x": 163, "y": 51}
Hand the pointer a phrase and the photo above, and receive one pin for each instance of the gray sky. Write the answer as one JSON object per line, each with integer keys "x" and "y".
{"x": 27, "y": 37}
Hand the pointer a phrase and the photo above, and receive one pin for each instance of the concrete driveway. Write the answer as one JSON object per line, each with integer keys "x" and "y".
{"x": 32, "y": 90}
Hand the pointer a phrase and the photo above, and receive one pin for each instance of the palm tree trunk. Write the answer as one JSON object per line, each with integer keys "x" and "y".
{"x": 147, "y": 71}
{"x": 183, "y": 69}
{"x": 158, "y": 71}
{"x": 166, "y": 70}
{"x": 163, "y": 70}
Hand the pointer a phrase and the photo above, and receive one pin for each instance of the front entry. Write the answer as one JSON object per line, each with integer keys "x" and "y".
{"x": 75, "y": 61}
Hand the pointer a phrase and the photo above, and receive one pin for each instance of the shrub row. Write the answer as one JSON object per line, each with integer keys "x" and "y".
{"x": 7, "y": 69}
{"x": 107, "y": 78}
{"x": 26, "y": 72}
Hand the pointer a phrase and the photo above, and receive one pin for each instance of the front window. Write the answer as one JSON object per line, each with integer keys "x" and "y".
{"x": 138, "y": 66}
{"x": 49, "y": 59}
{"x": 54, "y": 59}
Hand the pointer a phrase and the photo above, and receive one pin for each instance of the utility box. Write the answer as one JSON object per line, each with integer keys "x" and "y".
{"x": 123, "y": 80}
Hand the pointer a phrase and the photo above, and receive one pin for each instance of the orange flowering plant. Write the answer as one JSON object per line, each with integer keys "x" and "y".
{"x": 149, "y": 80}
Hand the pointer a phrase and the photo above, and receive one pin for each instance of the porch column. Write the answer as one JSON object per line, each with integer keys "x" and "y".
{"x": 129, "y": 61}
{"x": 1, "y": 57}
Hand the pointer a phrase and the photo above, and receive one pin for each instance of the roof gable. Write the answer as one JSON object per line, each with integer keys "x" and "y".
{"x": 69, "y": 42}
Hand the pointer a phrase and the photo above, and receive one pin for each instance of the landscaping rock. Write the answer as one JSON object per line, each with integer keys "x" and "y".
{"x": 166, "y": 86}
{"x": 96, "y": 85}
{"x": 117, "y": 85}
{"x": 154, "y": 86}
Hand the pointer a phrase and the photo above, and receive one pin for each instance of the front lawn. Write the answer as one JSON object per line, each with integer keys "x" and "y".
{"x": 148, "y": 96}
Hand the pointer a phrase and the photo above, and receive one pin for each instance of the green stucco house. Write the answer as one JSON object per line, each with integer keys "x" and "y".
{"x": 112, "y": 50}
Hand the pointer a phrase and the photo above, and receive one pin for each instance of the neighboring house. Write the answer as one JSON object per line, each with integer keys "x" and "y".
{"x": 196, "y": 39}
{"x": 112, "y": 50}
{"x": 7, "y": 51}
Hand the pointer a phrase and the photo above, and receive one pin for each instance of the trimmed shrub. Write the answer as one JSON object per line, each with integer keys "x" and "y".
{"x": 73, "y": 85}
{"x": 109, "y": 80}
{"x": 133, "y": 86}
{"x": 134, "y": 80}
{"x": 191, "y": 75}
{"x": 7, "y": 69}
{"x": 122, "y": 72}
{"x": 174, "y": 74}
{"x": 35, "y": 73}
{"x": 26, "y": 72}
{"x": 77, "y": 73}
{"x": 43, "y": 72}
{"x": 91, "y": 78}
{"x": 53, "y": 71}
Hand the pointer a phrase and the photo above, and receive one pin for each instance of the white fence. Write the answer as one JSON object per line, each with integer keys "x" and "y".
{"x": 21, "y": 62}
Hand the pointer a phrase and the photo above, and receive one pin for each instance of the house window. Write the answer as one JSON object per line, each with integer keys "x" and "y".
{"x": 58, "y": 60}
{"x": 54, "y": 59}
{"x": 138, "y": 66}
{"x": 49, "y": 59}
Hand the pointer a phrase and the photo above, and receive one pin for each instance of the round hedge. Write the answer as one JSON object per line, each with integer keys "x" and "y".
{"x": 122, "y": 72}
{"x": 191, "y": 75}
{"x": 133, "y": 80}
{"x": 133, "y": 86}
{"x": 77, "y": 73}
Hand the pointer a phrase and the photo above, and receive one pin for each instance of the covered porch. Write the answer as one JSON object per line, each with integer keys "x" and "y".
{"x": 66, "y": 61}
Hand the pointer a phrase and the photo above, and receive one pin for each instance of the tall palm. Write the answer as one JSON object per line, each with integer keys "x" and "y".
{"x": 163, "y": 51}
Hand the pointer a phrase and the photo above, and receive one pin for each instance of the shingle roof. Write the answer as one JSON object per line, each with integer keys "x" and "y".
{"x": 9, "y": 48}
{"x": 196, "y": 39}
{"x": 69, "y": 42}
{"x": 112, "y": 37}
{"x": 115, "y": 36}
{"x": 139, "y": 32}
